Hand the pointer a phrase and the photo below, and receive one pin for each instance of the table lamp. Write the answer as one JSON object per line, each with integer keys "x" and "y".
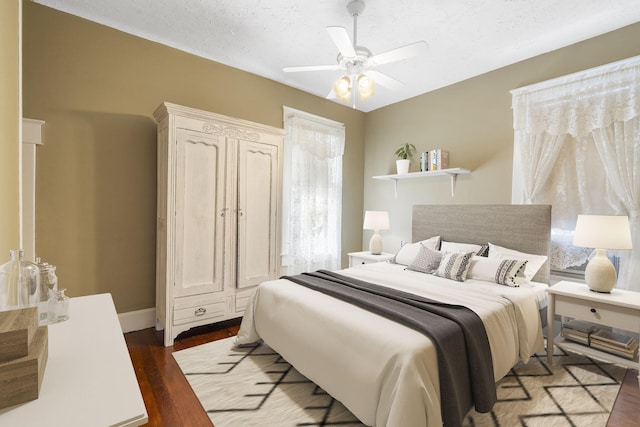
{"x": 602, "y": 232}
{"x": 376, "y": 220}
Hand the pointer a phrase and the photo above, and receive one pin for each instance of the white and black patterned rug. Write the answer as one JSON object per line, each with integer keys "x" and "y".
{"x": 256, "y": 387}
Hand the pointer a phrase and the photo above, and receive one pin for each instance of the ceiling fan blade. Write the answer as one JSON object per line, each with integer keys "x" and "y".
{"x": 341, "y": 39}
{"x": 384, "y": 80}
{"x": 311, "y": 68}
{"x": 404, "y": 52}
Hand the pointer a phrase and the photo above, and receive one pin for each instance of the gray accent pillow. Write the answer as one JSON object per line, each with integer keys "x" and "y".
{"x": 454, "y": 266}
{"x": 426, "y": 261}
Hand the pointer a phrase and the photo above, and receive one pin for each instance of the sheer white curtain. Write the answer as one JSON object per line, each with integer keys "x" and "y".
{"x": 619, "y": 147}
{"x": 312, "y": 199}
{"x": 597, "y": 112}
{"x": 539, "y": 152}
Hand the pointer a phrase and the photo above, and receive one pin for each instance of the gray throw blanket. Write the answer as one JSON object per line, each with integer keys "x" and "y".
{"x": 464, "y": 358}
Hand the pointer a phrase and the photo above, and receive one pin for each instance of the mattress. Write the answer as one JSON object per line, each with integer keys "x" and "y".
{"x": 385, "y": 373}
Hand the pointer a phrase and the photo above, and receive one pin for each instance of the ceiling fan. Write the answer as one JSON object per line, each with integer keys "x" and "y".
{"x": 358, "y": 61}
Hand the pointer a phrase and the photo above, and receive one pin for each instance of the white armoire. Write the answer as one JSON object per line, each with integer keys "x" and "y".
{"x": 218, "y": 222}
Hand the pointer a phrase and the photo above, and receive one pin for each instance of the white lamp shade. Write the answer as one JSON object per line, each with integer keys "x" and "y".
{"x": 603, "y": 232}
{"x": 376, "y": 220}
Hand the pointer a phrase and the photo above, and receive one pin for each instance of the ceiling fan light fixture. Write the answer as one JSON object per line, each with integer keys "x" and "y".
{"x": 357, "y": 62}
{"x": 342, "y": 88}
{"x": 365, "y": 86}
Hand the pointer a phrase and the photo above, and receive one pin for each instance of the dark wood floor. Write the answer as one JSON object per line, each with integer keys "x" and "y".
{"x": 171, "y": 403}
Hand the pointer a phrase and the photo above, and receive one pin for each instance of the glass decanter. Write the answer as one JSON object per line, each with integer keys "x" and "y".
{"x": 10, "y": 281}
{"x": 58, "y": 309}
{"x": 19, "y": 282}
{"x": 48, "y": 284}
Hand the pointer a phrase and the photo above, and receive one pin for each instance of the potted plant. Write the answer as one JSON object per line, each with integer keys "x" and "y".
{"x": 404, "y": 154}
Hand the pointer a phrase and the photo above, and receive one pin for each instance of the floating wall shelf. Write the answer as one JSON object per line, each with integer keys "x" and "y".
{"x": 452, "y": 172}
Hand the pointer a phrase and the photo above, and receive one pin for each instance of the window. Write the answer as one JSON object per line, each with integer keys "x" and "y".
{"x": 577, "y": 147}
{"x": 312, "y": 193}
{"x": 577, "y": 184}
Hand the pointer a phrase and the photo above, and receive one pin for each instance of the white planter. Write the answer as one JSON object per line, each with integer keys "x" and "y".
{"x": 403, "y": 165}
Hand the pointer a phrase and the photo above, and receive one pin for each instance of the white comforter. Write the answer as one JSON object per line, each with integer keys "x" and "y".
{"x": 386, "y": 374}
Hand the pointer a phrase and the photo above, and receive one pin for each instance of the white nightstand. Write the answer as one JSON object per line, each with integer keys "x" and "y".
{"x": 366, "y": 257}
{"x": 619, "y": 309}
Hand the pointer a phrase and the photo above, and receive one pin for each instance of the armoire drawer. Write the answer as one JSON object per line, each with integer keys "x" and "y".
{"x": 188, "y": 310}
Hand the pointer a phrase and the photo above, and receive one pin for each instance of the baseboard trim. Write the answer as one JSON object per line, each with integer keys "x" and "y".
{"x": 137, "y": 320}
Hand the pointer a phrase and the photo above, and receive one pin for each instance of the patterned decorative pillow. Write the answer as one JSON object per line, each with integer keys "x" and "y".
{"x": 535, "y": 262}
{"x": 426, "y": 261}
{"x": 483, "y": 251}
{"x": 454, "y": 266}
{"x": 509, "y": 272}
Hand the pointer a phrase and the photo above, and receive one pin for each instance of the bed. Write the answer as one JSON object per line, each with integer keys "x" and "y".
{"x": 385, "y": 373}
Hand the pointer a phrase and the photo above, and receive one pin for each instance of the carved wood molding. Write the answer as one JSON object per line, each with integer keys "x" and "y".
{"x": 231, "y": 132}
{"x": 263, "y": 152}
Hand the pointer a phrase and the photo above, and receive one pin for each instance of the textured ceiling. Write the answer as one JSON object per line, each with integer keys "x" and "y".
{"x": 466, "y": 38}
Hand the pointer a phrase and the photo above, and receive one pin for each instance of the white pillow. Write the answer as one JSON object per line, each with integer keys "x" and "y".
{"x": 454, "y": 265}
{"x": 534, "y": 262}
{"x": 509, "y": 272}
{"x": 463, "y": 247}
{"x": 409, "y": 251}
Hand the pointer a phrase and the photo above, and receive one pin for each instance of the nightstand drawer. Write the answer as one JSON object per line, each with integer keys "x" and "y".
{"x": 361, "y": 258}
{"x": 605, "y": 314}
{"x": 360, "y": 261}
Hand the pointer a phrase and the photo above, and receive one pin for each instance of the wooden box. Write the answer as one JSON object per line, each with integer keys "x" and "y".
{"x": 17, "y": 329}
{"x": 21, "y": 378}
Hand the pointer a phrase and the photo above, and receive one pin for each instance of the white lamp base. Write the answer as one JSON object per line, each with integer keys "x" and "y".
{"x": 600, "y": 274}
{"x": 375, "y": 244}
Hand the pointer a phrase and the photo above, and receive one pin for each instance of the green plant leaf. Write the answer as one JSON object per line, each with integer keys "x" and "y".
{"x": 405, "y": 151}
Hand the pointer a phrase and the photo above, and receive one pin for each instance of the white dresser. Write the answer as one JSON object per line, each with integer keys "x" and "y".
{"x": 89, "y": 378}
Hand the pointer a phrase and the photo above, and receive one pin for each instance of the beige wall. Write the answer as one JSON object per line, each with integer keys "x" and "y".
{"x": 10, "y": 124}
{"x": 97, "y": 88}
{"x": 473, "y": 121}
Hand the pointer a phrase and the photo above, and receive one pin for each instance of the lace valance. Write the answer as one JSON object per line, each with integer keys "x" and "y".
{"x": 322, "y": 140}
{"x": 578, "y": 103}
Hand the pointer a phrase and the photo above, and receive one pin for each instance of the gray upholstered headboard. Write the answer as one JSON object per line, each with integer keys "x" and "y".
{"x": 526, "y": 228}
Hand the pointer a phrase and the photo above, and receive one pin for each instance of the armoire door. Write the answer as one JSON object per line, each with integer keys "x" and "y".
{"x": 199, "y": 213}
{"x": 257, "y": 216}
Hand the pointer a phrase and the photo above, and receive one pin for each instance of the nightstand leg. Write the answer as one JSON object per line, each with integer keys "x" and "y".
{"x": 551, "y": 314}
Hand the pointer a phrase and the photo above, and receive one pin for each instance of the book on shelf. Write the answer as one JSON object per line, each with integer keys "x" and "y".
{"x": 581, "y": 337}
{"x": 438, "y": 159}
{"x": 580, "y": 326}
{"x": 627, "y": 353}
{"x": 599, "y": 338}
{"x": 424, "y": 161}
{"x": 614, "y": 338}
